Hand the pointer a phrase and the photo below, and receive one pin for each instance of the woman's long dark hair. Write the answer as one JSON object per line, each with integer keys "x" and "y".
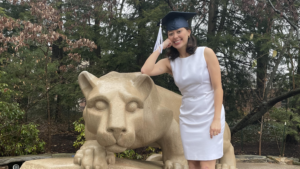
{"x": 191, "y": 47}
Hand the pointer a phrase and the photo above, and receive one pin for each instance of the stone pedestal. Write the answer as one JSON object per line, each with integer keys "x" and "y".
{"x": 251, "y": 158}
{"x": 282, "y": 160}
{"x": 67, "y": 163}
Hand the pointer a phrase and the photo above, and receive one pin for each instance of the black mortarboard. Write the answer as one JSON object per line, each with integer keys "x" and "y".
{"x": 175, "y": 20}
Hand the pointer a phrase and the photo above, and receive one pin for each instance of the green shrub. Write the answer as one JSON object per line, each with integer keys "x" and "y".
{"x": 132, "y": 154}
{"x": 16, "y": 137}
{"x": 273, "y": 127}
{"x": 278, "y": 118}
{"x": 79, "y": 127}
{"x": 129, "y": 154}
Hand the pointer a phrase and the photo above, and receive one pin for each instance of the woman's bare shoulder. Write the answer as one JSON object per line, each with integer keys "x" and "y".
{"x": 209, "y": 54}
{"x": 167, "y": 63}
{"x": 208, "y": 51}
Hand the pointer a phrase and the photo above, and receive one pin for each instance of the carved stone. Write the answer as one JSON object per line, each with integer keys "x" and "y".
{"x": 128, "y": 111}
{"x": 67, "y": 163}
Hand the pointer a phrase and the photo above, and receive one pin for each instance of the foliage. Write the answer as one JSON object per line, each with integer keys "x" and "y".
{"x": 280, "y": 116}
{"x": 79, "y": 127}
{"x": 132, "y": 154}
{"x": 28, "y": 49}
{"x": 17, "y": 137}
{"x": 273, "y": 128}
{"x": 42, "y": 61}
{"x": 2, "y": 13}
{"x": 129, "y": 154}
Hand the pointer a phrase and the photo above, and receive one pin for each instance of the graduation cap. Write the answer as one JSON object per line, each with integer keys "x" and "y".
{"x": 172, "y": 21}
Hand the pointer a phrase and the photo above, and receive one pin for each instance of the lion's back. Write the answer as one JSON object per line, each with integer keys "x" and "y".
{"x": 170, "y": 100}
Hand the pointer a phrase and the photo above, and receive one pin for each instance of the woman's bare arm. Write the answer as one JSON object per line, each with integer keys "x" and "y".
{"x": 215, "y": 77}
{"x": 152, "y": 68}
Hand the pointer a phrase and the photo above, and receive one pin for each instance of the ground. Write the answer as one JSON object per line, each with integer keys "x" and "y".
{"x": 62, "y": 142}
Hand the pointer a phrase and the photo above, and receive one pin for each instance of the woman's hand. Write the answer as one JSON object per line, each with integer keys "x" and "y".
{"x": 167, "y": 43}
{"x": 215, "y": 128}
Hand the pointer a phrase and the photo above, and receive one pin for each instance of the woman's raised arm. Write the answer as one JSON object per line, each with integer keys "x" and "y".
{"x": 152, "y": 68}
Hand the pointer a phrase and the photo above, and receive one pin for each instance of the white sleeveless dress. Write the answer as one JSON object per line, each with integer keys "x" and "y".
{"x": 197, "y": 110}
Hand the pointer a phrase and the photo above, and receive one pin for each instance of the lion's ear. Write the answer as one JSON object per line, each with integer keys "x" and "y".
{"x": 144, "y": 83}
{"x": 86, "y": 82}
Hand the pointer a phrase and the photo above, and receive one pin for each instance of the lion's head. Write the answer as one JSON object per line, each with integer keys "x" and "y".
{"x": 122, "y": 110}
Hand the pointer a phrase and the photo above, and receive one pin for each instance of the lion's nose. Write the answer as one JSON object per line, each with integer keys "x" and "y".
{"x": 116, "y": 131}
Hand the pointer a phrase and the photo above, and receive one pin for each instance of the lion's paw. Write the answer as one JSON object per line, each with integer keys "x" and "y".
{"x": 224, "y": 166}
{"x": 174, "y": 165}
{"x": 110, "y": 158}
{"x": 91, "y": 155}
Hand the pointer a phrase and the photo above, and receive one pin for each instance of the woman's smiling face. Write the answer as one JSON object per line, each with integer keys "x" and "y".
{"x": 179, "y": 37}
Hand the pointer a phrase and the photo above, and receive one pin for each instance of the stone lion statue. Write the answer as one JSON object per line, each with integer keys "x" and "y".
{"x": 128, "y": 111}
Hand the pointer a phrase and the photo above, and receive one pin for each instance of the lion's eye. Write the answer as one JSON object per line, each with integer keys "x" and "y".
{"x": 101, "y": 105}
{"x": 132, "y": 106}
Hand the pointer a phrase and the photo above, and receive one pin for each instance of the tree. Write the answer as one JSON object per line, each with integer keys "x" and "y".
{"x": 39, "y": 36}
{"x": 17, "y": 137}
{"x": 251, "y": 42}
{"x": 288, "y": 44}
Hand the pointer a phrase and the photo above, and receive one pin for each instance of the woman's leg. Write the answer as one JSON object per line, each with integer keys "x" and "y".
{"x": 194, "y": 164}
{"x": 208, "y": 164}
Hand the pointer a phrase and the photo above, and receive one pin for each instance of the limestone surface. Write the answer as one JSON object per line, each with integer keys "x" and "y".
{"x": 7, "y": 160}
{"x": 283, "y": 160}
{"x": 67, "y": 163}
{"x": 251, "y": 158}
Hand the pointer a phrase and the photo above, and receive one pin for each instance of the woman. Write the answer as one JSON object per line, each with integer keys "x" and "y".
{"x": 196, "y": 72}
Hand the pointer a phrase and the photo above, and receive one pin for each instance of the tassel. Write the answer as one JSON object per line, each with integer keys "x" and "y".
{"x": 159, "y": 40}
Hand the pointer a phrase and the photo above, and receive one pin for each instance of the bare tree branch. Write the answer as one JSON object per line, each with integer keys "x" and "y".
{"x": 170, "y": 4}
{"x": 273, "y": 74}
{"x": 287, "y": 19}
{"x": 261, "y": 109}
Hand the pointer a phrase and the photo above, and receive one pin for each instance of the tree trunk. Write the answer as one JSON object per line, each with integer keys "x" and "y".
{"x": 48, "y": 105}
{"x": 170, "y": 4}
{"x": 223, "y": 17}
{"x": 221, "y": 25}
{"x": 57, "y": 51}
{"x": 212, "y": 22}
{"x": 141, "y": 57}
{"x": 298, "y": 71}
{"x": 297, "y": 85}
{"x": 96, "y": 37}
{"x": 57, "y": 55}
{"x": 58, "y": 108}
{"x": 49, "y": 122}
{"x": 260, "y": 134}
{"x": 261, "y": 72}
{"x": 262, "y": 57}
